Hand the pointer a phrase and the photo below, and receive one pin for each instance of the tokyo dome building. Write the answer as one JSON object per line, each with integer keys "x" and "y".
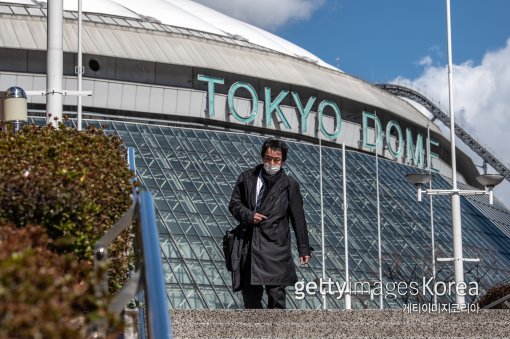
{"x": 196, "y": 92}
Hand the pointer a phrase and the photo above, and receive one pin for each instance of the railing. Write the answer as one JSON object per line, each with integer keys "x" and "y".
{"x": 497, "y": 302}
{"x": 148, "y": 278}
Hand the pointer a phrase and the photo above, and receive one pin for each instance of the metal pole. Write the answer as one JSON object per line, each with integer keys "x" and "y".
{"x": 432, "y": 233}
{"x": 324, "y": 304}
{"x": 381, "y": 300}
{"x": 348, "y": 304}
{"x": 55, "y": 58}
{"x": 456, "y": 218}
{"x": 79, "y": 69}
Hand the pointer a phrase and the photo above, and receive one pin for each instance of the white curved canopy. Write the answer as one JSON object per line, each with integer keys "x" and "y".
{"x": 112, "y": 35}
{"x": 192, "y": 15}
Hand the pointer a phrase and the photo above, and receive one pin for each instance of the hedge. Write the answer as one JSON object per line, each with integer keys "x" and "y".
{"x": 75, "y": 186}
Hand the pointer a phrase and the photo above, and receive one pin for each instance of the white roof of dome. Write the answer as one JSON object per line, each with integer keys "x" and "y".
{"x": 122, "y": 29}
{"x": 192, "y": 15}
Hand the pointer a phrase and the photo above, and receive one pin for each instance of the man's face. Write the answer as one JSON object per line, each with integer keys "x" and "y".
{"x": 273, "y": 157}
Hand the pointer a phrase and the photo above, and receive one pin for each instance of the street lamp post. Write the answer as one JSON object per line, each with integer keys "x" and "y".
{"x": 15, "y": 108}
{"x": 455, "y": 193}
{"x": 456, "y": 220}
{"x": 487, "y": 180}
{"x": 55, "y": 57}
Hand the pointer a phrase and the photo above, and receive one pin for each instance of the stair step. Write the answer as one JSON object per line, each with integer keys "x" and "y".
{"x": 337, "y": 323}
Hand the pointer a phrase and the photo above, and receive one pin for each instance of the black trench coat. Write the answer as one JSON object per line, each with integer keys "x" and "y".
{"x": 271, "y": 256}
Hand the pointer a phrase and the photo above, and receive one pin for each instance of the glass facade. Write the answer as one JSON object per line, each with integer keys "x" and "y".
{"x": 191, "y": 173}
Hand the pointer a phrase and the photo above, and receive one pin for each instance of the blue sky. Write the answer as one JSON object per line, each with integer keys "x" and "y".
{"x": 404, "y": 41}
{"x": 380, "y": 40}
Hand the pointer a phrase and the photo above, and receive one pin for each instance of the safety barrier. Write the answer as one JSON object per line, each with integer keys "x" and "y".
{"x": 148, "y": 277}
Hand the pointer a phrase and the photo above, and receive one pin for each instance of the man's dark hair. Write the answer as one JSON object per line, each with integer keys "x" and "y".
{"x": 275, "y": 144}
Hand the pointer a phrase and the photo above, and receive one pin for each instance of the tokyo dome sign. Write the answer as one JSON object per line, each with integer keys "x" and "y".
{"x": 297, "y": 118}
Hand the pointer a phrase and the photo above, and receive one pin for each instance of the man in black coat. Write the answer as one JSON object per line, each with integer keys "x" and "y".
{"x": 263, "y": 201}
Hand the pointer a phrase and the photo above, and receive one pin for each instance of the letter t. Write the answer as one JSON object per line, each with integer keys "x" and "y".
{"x": 211, "y": 81}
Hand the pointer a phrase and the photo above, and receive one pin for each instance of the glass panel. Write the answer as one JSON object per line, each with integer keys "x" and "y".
{"x": 191, "y": 174}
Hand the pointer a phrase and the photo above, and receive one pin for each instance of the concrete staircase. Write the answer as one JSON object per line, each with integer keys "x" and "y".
{"x": 338, "y": 323}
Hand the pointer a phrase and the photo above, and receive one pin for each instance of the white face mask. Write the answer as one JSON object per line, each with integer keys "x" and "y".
{"x": 272, "y": 170}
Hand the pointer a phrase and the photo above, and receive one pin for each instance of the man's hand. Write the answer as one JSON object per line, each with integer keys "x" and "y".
{"x": 304, "y": 259}
{"x": 257, "y": 217}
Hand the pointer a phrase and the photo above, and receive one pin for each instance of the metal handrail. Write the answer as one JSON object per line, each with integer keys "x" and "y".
{"x": 497, "y": 302}
{"x": 148, "y": 277}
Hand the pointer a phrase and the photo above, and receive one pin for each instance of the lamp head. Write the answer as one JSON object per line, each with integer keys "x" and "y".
{"x": 418, "y": 178}
{"x": 489, "y": 180}
{"x": 15, "y": 107}
{"x": 15, "y": 92}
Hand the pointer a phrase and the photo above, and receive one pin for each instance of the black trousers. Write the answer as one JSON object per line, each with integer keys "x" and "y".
{"x": 252, "y": 294}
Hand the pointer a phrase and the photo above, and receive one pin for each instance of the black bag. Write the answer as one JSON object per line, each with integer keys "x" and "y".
{"x": 228, "y": 247}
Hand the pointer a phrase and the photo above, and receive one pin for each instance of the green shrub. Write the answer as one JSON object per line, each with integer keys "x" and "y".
{"x": 43, "y": 294}
{"x": 75, "y": 184}
{"x": 495, "y": 293}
